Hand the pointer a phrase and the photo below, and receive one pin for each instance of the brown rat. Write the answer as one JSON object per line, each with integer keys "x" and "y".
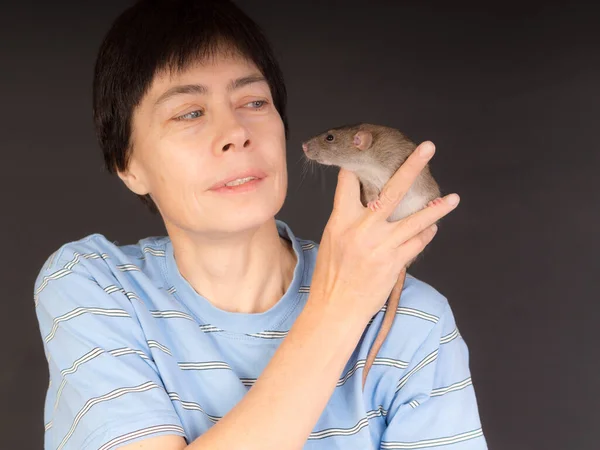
{"x": 374, "y": 153}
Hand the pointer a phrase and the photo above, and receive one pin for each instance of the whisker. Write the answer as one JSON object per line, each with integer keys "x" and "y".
{"x": 323, "y": 176}
{"x": 303, "y": 170}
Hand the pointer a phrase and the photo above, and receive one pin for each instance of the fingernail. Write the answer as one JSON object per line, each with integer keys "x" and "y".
{"x": 427, "y": 149}
{"x": 452, "y": 199}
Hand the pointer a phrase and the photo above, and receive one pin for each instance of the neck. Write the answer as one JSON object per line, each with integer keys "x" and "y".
{"x": 245, "y": 272}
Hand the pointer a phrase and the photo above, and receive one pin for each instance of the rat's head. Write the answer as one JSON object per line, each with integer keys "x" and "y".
{"x": 339, "y": 146}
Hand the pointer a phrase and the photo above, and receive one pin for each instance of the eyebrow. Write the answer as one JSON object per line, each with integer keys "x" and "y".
{"x": 202, "y": 89}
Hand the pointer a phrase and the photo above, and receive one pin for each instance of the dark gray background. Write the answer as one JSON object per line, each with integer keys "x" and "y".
{"x": 510, "y": 95}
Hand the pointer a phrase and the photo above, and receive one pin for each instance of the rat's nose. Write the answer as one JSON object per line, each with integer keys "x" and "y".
{"x": 304, "y": 147}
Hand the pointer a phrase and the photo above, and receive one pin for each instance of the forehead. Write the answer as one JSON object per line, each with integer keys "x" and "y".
{"x": 220, "y": 68}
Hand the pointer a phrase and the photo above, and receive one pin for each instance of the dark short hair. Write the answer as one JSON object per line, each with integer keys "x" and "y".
{"x": 168, "y": 35}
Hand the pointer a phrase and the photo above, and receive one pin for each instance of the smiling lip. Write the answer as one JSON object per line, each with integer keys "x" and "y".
{"x": 245, "y": 174}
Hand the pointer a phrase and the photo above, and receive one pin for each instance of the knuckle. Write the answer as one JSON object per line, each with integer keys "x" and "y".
{"x": 347, "y": 235}
{"x": 332, "y": 229}
{"x": 426, "y": 239}
{"x": 420, "y": 239}
{"x": 412, "y": 223}
{"x": 428, "y": 235}
{"x": 355, "y": 234}
{"x": 390, "y": 195}
{"x": 369, "y": 243}
{"x": 413, "y": 165}
{"x": 358, "y": 240}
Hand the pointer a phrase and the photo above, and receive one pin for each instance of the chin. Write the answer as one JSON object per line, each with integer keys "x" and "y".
{"x": 245, "y": 218}
{"x": 251, "y": 214}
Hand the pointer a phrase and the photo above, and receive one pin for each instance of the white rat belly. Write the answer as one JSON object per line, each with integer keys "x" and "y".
{"x": 411, "y": 203}
{"x": 414, "y": 199}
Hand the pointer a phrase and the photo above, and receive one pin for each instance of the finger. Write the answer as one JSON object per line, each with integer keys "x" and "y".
{"x": 415, "y": 223}
{"x": 347, "y": 192}
{"x": 416, "y": 244}
{"x": 399, "y": 184}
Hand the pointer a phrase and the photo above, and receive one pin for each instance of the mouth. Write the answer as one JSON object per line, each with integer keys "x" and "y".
{"x": 246, "y": 186}
{"x": 313, "y": 154}
{"x": 324, "y": 161}
{"x": 318, "y": 159}
{"x": 239, "y": 182}
{"x": 309, "y": 153}
{"x": 239, "y": 177}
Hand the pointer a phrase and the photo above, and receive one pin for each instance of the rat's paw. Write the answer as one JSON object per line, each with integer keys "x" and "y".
{"x": 374, "y": 205}
{"x": 436, "y": 201}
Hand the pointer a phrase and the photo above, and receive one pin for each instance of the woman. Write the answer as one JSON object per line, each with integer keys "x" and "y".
{"x": 230, "y": 332}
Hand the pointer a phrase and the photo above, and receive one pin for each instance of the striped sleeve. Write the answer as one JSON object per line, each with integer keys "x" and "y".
{"x": 104, "y": 389}
{"x": 433, "y": 403}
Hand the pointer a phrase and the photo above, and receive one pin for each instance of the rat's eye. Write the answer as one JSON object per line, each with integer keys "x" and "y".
{"x": 329, "y": 137}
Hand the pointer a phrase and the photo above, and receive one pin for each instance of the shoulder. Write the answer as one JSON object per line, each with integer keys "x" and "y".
{"x": 66, "y": 257}
{"x": 422, "y": 319}
{"x": 94, "y": 251}
{"x": 422, "y": 296}
{"x": 422, "y": 310}
{"x": 80, "y": 291}
{"x": 92, "y": 263}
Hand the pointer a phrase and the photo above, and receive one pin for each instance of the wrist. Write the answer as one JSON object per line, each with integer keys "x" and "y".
{"x": 336, "y": 313}
{"x": 340, "y": 306}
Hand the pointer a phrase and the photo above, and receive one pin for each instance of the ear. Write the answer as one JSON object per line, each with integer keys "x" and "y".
{"x": 132, "y": 180}
{"x": 363, "y": 140}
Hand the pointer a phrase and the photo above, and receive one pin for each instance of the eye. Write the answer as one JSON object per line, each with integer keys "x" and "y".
{"x": 188, "y": 116}
{"x": 330, "y": 137}
{"x": 257, "y": 104}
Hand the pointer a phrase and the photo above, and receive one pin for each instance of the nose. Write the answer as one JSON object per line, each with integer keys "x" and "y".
{"x": 304, "y": 147}
{"x": 233, "y": 135}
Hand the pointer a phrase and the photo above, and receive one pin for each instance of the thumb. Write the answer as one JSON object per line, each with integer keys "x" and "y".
{"x": 347, "y": 192}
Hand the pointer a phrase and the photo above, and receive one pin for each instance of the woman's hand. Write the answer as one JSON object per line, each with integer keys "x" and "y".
{"x": 361, "y": 254}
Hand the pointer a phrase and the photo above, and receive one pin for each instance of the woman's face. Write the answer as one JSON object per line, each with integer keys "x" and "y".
{"x": 207, "y": 124}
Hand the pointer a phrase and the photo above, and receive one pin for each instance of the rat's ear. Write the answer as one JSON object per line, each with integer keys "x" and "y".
{"x": 363, "y": 140}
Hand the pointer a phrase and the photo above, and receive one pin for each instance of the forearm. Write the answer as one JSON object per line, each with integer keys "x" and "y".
{"x": 282, "y": 408}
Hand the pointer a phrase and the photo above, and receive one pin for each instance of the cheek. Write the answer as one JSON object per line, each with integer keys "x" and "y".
{"x": 277, "y": 149}
{"x": 176, "y": 173}
{"x": 274, "y": 131}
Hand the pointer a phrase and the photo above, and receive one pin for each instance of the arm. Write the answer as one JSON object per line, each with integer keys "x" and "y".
{"x": 106, "y": 393}
{"x": 105, "y": 389}
{"x": 282, "y": 407}
{"x": 433, "y": 404}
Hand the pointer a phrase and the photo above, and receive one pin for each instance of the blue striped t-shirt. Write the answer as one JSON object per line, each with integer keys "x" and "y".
{"x": 134, "y": 351}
